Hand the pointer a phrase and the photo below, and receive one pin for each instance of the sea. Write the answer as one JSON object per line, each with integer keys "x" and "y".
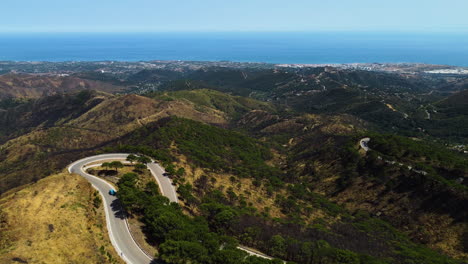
{"x": 269, "y": 47}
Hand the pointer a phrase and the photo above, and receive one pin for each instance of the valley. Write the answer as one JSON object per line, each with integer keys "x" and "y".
{"x": 262, "y": 156}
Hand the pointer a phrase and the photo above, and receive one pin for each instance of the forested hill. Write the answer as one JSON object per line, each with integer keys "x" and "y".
{"x": 267, "y": 158}
{"x": 403, "y": 103}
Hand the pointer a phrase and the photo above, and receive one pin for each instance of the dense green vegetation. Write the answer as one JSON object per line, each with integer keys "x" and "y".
{"x": 224, "y": 222}
{"x": 181, "y": 239}
{"x": 351, "y": 240}
{"x": 442, "y": 190}
{"x": 239, "y": 82}
{"x": 434, "y": 158}
{"x": 10, "y": 103}
{"x": 391, "y": 155}
{"x": 206, "y": 146}
{"x": 312, "y": 156}
{"x": 449, "y": 118}
{"x": 45, "y": 112}
{"x": 364, "y": 94}
{"x": 233, "y": 106}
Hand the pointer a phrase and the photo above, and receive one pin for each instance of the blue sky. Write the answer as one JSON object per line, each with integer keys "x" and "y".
{"x": 232, "y": 15}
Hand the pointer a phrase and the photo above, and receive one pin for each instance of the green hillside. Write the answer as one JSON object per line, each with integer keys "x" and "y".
{"x": 339, "y": 236}
{"x": 234, "y": 106}
{"x": 268, "y": 158}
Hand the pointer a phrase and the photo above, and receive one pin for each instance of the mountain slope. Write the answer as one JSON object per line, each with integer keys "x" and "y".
{"x": 389, "y": 101}
{"x": 265, "y": 174}
{"x": 69, "y": 131}
{"x": 290, "y": 211}
{"x": 56, "y": 220}
{"x": 34, "y": 86}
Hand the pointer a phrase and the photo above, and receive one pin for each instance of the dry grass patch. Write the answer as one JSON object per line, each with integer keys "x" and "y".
{"x": 255, "y": 196}
{"x": 55, "y": 221}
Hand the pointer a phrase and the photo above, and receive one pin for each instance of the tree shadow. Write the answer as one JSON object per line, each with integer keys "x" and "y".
{"x": 150, "y": 238}
{"x": 107, "y": 173}
{"x": 118, "y": 210}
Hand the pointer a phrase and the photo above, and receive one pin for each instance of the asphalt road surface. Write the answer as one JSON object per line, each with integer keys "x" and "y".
{"x": 364, "y": 143}
{"x": 117, "y": 225}
{"x": 165, "y": 184}
{"x": 119, "y": 233}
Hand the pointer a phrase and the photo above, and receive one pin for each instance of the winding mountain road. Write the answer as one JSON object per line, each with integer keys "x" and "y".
{"x": 364, "y": 143}
{"x": 117, "y": 225}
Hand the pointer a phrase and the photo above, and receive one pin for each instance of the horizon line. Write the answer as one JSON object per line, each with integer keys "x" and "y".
{"x": 386, "y": 31}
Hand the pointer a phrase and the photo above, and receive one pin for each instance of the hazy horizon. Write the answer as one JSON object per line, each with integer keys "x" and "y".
{"x": 242, "y": 15}
{"x": 270, "y": 31}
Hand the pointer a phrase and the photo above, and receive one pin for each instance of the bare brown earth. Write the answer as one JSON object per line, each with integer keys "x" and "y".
{"x": 45, "y": 149}
{"x": 26, "y": 86}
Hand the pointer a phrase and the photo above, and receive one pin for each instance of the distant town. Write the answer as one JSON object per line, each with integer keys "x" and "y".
{"x": 116, "y": 67}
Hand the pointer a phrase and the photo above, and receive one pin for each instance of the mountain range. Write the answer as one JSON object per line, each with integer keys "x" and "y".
{"x": 268, "y": 156}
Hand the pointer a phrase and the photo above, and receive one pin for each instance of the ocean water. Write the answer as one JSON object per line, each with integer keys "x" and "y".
{"x": 305, "y": 47}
